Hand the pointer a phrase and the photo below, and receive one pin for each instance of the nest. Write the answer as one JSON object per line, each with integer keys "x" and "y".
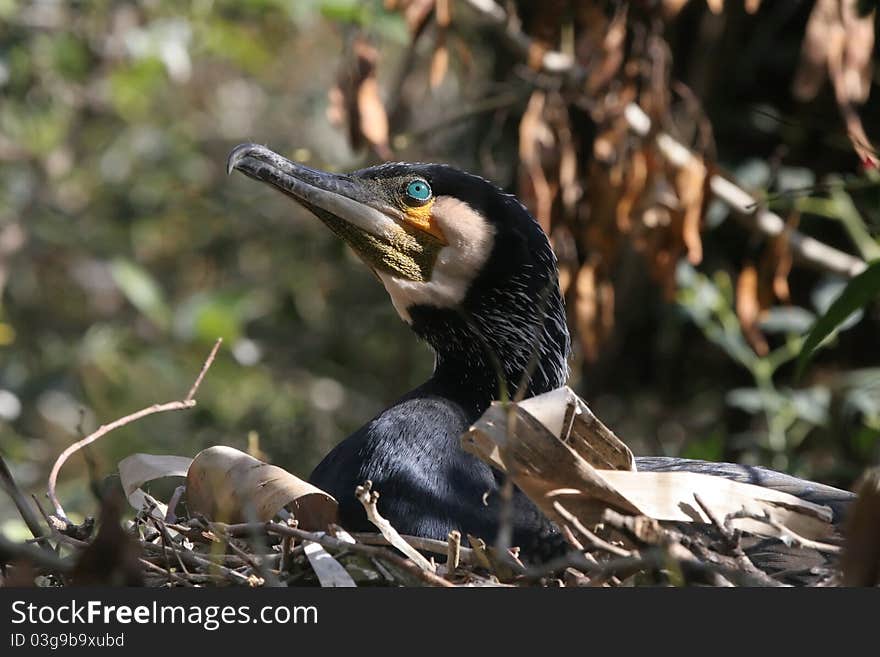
{"x": 621, "y": 527}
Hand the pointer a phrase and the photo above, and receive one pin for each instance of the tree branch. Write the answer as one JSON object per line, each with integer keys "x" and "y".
{"x": 103, "y": 430}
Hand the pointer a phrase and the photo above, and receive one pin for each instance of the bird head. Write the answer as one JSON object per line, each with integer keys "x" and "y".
{"x": 466, "y": 265}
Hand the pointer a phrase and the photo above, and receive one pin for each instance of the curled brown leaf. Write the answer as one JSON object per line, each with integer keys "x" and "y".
{"x": 748, "y": 308}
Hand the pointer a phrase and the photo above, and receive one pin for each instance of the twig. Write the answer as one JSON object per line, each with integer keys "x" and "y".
{"x": 204, "y": 561}
{"x": 11, "y": 551}
{"x": 167, "y": 542}
{"x": 333, "y": 543}
{"x": 55, "y": 525}
{"x": 170, "y": 516}
{"x": 287, "y": 546}
{"x": 731, "y": 538}
{"x": 418, "y": 542}
{"x": 187, "y": 403}
{"x": 650, "y": 531}
{"x": 368, "y": 498}
{"x": 453, "y": 551}
{"x": 478, "y": 548}
{"x": 208, "y": 362}
{"x": 591, "y": 537}
{"x": 659, "y": 558}
{"x": 31, "y": 519}
{"x": 172, "y": 577}
{"x": 807, "y": 249}
{"x": 258, "y": 564}
{"x": 787, "y": 535}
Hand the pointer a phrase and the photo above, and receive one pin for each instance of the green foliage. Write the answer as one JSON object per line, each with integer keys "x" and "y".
{"x": 137, "y": 251}
{"x": 857, "y": 294}
{"x": 790, "y": 414}
{"x": 141, "y": 290}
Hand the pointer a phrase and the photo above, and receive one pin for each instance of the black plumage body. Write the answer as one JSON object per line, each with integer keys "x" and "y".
{"x": 428, "y": 485}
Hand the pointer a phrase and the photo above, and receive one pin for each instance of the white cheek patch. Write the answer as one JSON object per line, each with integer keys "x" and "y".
{"x": 470, "y": 238}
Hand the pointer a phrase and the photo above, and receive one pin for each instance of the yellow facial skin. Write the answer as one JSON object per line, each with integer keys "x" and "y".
{"x": 422, "y": 218}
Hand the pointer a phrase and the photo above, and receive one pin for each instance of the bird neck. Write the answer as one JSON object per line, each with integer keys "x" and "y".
{"x": 494, "y": 349}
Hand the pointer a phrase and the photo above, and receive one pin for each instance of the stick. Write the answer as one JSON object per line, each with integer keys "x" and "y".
{"x": 732, "y": 539}
{"x": 332, "y": 543}
{"x": 368, "y": 498}
{"x": 591, "y": 537}
{"x": 190, "y": 397}
{"x": 807, "y": 249}
{"x": 187, "y": 403}
{"x": 453, "y": 551}
{"x": 24, "y": 508}
{"x": 418, "y": 542}
{"x": 11, "y": 551}
{"x": 788, "y": 535}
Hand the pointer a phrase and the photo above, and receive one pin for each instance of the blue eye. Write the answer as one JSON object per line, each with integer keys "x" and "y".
{"x": 418, "y": 191}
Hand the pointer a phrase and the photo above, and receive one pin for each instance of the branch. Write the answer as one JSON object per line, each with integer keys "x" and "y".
{"x": 31, "y": 519}
{"x": 10, "y": 551}
{"x": 786, "y": 534}
{"x": 594, "y": 540}
{"x": 368, "y": 498}
{"x": 419, "y": 543}
{"x": 103, "y": 430}
{"x": 332, "y": 543}
{"x": 807, "y": 249}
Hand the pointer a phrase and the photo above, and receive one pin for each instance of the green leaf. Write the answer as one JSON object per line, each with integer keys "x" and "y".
{"x": 141, "y": 290}
{"x": 856, "y": 295}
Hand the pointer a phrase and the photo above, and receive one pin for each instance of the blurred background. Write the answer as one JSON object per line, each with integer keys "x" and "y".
{"x": 125, "y": 250}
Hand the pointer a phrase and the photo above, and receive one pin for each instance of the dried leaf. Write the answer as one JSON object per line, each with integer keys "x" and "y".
{"x": 587, "y": 310}
{"x": 548, "y": 470}
{"x": 567, "y": 416}
{"x": 373, "y": 119}
{"x": 356, "y": 100}
{"x": 329, "y": 572}
{"x": 776, "y": 263}
{"x": 839, "y": 42}
{"x": 232, "y": 486}
{"x": 439, "y": 65}
{"x": 858, "y": 55}
{"x": 569, "y": 182}
{"x": 690, "y": 186}
{"x": 748, "y": 309}
{"x": 443, "y": 11}
{"x": 823, "y": 30}
{"x": 611, "y": 51}
{"x": 139, "y": 469}
{"x": 636, "y": 179}
{"x": 535, "y": 140}
{"x": 416, "y": 15}
{"x": 336, "y": 112}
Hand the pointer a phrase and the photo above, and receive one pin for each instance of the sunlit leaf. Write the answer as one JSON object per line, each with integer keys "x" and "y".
{"x": 855, "y": 296}
{"x": 787, "y": 319}
{"x": 142, "y": 291}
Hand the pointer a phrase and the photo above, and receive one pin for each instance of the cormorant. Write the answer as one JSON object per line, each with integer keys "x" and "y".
{"x": 474, "y": 275}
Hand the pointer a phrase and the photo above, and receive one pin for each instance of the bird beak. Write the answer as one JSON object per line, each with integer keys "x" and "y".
{"x": 350, "y": 207}
{"x": 342, "y": 197}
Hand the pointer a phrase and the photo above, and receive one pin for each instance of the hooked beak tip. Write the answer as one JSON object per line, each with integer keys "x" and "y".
{"x": 237, "y": 154}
